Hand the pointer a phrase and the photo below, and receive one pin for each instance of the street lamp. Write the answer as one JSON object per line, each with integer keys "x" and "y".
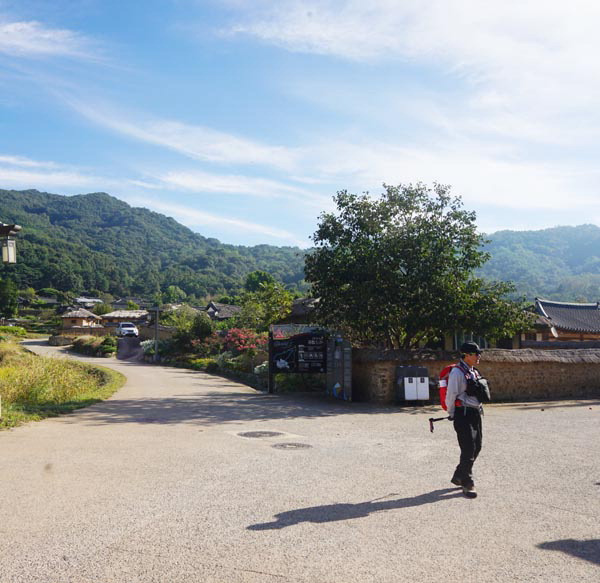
{"x": 8, "y": 243}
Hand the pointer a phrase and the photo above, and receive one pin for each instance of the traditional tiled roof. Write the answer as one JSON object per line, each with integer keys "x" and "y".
{"x": 570, "y": 316}
{"x": 81, "y": 313}
{"x": 219, "y": 311}
{"x": 303, "y": 306}
{"x": 128, "y": 314}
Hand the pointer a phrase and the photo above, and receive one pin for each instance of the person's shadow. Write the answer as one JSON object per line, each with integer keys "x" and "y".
{"x": 333, "y": 512}
{"x": 588, "y": 550}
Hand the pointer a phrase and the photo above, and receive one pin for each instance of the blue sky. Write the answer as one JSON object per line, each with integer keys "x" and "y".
{"x": 241, "y": 119}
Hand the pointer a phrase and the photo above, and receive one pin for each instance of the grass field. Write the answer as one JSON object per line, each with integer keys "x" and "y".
{"x": 34, "y": 387}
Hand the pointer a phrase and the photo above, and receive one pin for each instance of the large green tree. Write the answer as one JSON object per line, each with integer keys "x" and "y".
{"x": 397, "y": 270}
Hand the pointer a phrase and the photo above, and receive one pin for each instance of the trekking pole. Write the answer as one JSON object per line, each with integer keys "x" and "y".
{"x": 432, "y": 421}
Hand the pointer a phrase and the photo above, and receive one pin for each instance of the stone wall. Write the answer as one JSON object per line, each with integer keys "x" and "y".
{"x": 514, "y": 375}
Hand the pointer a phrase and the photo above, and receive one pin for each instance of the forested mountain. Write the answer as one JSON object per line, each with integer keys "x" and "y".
{"x": 561, "y": 263}
{"x": 97, "y": 242}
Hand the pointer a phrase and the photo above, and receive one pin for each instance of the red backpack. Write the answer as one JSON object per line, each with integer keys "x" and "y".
{"x": 443, "y": 385}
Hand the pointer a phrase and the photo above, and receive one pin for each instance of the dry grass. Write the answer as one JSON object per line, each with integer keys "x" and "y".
{"x": 33, "y": 387}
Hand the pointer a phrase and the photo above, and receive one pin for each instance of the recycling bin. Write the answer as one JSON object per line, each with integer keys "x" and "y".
{"x": 412, "y": 383}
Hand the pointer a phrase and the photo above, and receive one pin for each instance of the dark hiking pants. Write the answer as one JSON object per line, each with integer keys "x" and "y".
{"x": 467, "y": 424}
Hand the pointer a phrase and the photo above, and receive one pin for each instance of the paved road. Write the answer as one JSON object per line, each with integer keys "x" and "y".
{"x": 158, "y": 484}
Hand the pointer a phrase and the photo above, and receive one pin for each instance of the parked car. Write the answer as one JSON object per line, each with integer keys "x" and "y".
{"x": 127, "y": 329}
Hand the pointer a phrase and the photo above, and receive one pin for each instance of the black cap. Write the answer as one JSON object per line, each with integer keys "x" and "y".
{"x": 470, "y": 348}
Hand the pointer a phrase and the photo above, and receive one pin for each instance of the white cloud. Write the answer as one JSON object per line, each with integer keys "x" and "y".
{"x": 25, "y": 162}
{"x": 479, "y": 176}
{"x": 192, "y": 218}
{"x": 33, "y": 39}
{"x": 19, "y": 178}
{"x": 198, "y": 181}
{"x": 198, "y": 142}
{"x": 21, "y": 172}
{"x": 529, "y": 68}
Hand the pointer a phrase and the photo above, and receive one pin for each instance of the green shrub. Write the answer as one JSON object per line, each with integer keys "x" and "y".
{"x": 290, "y": 383}
{"x": 201, "y": 363}
{"x": 108, "y": 345}
{"x": 212, "y": 367}
{"x": 110, "y": 341}
{"x": 89, "y": 345}
{"x": 13, "y": 330}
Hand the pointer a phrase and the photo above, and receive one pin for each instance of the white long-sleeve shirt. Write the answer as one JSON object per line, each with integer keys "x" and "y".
{"x": 457, "y": 387}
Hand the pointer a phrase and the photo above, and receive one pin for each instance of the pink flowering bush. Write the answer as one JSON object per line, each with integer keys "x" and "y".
{"x": 209, "y": 346}
{"x": 245, "y": 340}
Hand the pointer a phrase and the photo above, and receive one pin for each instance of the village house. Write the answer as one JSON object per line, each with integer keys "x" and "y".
{"x": 135, "y": 316}
{"x": 80, "y": 318}
{"x": 560, "y": 323}
{"x": 217, "y": 311}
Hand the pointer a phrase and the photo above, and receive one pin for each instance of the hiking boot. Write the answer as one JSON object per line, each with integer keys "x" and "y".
{"x": 469, "y": 491}
{"x": 456, "y": 481}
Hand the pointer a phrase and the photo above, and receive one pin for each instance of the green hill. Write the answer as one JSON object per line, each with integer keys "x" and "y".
{"x": 561, "y": 263}
{"x": 97, "y": 242}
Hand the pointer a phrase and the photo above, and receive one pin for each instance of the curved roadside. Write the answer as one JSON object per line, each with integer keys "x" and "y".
{"x": 34, "y": 389}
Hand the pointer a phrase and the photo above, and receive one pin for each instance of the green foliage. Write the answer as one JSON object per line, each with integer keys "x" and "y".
{"x": 173, "y": 294}
{"x": 13, "y": 330}
{"x": 101, "y": 309}
{"x": 96, "y": 242}
{"x": 191, "y": 325}
{"x": 212, "y": 367}
{"x": 202, "y": 326}
{"x": 95, "y": 345}
{"x": 110, "y": 342}
{"x": 271, "y": 303}
{"x": 9, "y": 298}
{"x": 203, "y": 364}
{"x": 28, "y": 294}
{"x": 181, "y": 318}
{"x": 397, "y": 270}
{"x": 255, "y": 279}
{"x": 131, "y": 305}
{"x": 561, "y": 263}
{"x": 49, "y": 292}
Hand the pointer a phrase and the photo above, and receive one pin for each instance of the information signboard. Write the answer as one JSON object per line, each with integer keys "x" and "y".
{"x": 298, "y": 349}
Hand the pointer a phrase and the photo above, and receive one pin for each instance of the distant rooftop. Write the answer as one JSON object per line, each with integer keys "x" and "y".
{"x": 131, "y": 314}
{"x": 570, "y": 316}
{"x": 81, "y": 313}
{"x": 218, "y": 311}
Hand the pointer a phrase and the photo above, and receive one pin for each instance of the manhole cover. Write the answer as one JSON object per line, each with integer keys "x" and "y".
{"x": 260, "y": 434}
{"x": 291, "y": 446}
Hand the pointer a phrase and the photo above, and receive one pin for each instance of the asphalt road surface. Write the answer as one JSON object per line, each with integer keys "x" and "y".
{"x": 176, "y": 478}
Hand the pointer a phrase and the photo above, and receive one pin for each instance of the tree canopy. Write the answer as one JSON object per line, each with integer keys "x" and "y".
{"x": 398, "y": 270}
{"x": 271, "y": 303}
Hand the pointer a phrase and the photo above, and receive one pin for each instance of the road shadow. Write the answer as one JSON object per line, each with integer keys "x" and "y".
{"x": 230, "y": 405}
{"x": 568, "y": 403}
{"x": 588, "y": 550}
{"x": 336, "y": 512}
{"x": 129, "y": 348}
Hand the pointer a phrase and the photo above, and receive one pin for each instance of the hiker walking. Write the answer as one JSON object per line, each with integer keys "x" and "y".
{"x": 463, "y": 400}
